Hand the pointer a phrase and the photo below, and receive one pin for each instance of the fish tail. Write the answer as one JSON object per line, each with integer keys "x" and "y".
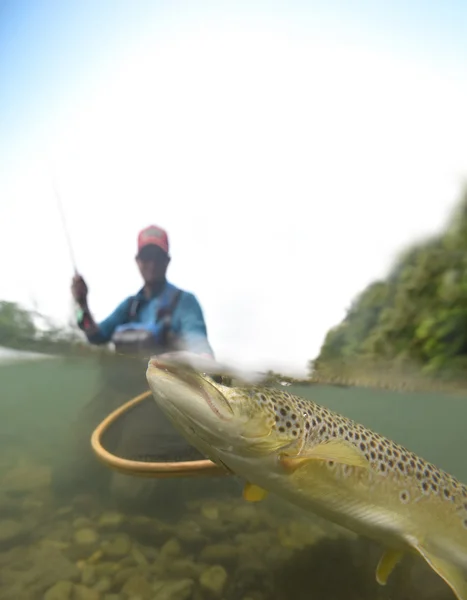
{"x": 453, "y": 575}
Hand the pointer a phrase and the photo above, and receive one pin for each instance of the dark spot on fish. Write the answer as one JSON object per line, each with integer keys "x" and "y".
{"x": 446, "y": 493}
{"x": 390, "y": 463}
{"x": 283, "y": 412}
{"x": 341, "y": 430}
{"x": 294, "y": 416}
{"x": 400, "y": 466}
{"x": 380, "y": 456}
{"x": 434, "y": 487}
{"x": 363, "y": 437}
{"x": 357, "y": 437}
{"x": 307, "y": 425}
{"x": 412, "y": 463}
{"x": 425, "y": 486}
{"x": 373, "y": 455}
{"x": 382, "y": 467}
{"x": 294, "y": 432}
{"x": 362, "y": 447}
{"x": 373, "y": 443}
{"x": 288, "y": 424}
{"x": 281, "y": 429}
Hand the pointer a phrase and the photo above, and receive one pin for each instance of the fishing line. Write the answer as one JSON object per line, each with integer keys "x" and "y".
{"x": 65, "y": 228}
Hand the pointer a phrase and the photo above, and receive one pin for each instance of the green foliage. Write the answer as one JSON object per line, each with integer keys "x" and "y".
{"x": 16, "y": 323}
{"x": 19, "y": 330}
{"x": 417, "y": 317}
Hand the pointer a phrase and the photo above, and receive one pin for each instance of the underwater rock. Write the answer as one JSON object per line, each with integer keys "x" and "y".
{"x": 173, "y": 590}
{"x": 184, "y": 568}
{"x": 103, "y": 585}
{"x": 85, "y": 537}
{"x": 138, "y": 557}
{"x": 171, "y": 549}
{"x": 45, "y": 567}
{"x": 146, "y": 530}
{"x": 138, "y": 586}
{"x": 88, "y": 575}
{"x": 110, "y": 520}
{"x": 59, "y": 591}
{"x": 81, "y": 592}
{"x": 210, "y": 511}
{"x": 191, "y": 532}
{"x": 213, "y": 580}
{"x": 118, "y": 547}
{"x": 298, "y": 534}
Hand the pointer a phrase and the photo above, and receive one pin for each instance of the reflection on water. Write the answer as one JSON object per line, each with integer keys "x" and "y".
{"x": 189, "y": 541}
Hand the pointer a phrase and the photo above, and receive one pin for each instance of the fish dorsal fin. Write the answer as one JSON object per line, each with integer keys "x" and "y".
{"x": 449, "y": 572}
{"x": 338, "y": 451}
{"x": 253, "y": 493}
{"x": 387, "y": 564}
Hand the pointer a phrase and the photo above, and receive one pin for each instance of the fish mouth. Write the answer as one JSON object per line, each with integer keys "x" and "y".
{"x": 193, "y": 382}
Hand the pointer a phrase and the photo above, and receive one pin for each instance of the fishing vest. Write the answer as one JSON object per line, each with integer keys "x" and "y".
{"x": 142, "y": 338}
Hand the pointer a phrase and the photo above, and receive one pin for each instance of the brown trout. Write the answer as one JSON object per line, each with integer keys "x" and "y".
{"x": 325, "y": 463}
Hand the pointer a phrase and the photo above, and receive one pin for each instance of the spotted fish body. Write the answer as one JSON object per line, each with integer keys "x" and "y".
{"x": 328, "y": 464}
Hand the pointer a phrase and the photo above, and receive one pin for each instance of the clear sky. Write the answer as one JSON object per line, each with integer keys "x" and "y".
{"x": 291, "y": 149}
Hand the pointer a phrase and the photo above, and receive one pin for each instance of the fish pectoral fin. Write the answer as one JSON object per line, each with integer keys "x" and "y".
{"x": 256, "y": 427}
{"x": 253, "y": 493}
{"x": 451, "y": 574}
{"x": 338, "y": 451}
{"x": 387, "y": 564}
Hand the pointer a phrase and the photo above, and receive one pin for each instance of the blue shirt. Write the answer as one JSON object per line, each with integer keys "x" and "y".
{"x": 187, "y": 319}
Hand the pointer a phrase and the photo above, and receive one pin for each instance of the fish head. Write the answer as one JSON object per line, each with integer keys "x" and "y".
{"x": 245, "y": 421}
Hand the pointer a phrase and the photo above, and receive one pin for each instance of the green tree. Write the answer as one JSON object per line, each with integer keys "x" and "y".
{"x": 417, "y": 316}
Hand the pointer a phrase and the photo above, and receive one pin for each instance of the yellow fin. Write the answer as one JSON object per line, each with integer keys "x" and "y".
{"x": 256, "y": 427}
{"x": 337, "y": 451}
{"x": 253, "y": 493}
{"x": 451, "y": 574}
{"x": 387, "y": 564}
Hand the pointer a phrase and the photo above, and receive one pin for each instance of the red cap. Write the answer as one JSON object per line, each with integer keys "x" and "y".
{"x": 153, "y": 235}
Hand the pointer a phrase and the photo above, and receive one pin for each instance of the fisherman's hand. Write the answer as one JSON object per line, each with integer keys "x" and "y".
{"x": 79, "y": 290}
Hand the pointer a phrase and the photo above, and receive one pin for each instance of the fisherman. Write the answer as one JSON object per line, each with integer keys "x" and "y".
{"x": 159, "y": 318}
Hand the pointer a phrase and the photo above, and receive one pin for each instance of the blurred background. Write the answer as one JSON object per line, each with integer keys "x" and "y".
{"x": 292, "y": 151}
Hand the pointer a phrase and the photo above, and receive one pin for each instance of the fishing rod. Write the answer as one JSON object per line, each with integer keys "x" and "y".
{"x": 65, "y": 228}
